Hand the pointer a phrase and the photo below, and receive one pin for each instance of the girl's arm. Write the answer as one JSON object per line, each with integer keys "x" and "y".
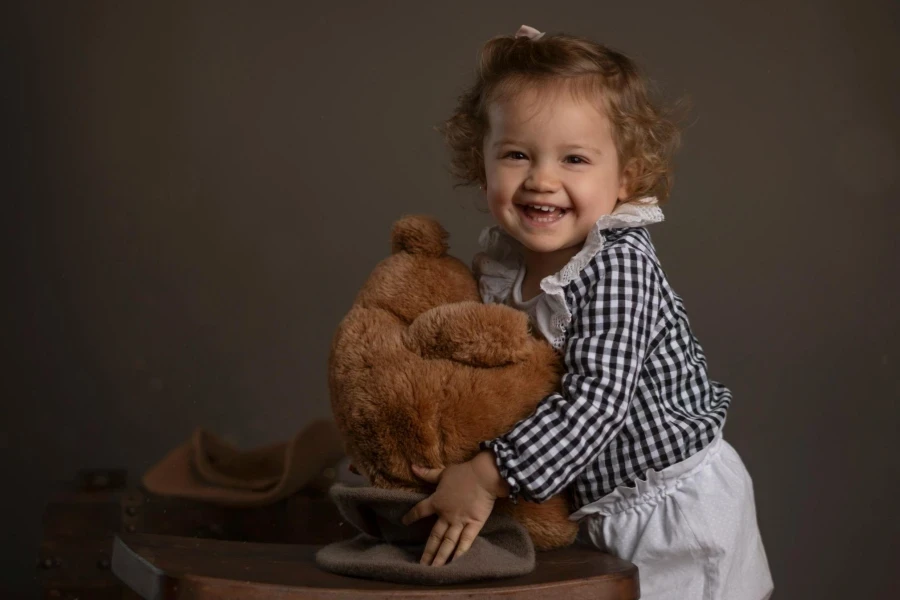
{"x": 611, "y": 334}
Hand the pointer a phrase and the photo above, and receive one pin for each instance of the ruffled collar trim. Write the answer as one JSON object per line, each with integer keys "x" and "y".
{"x": 502, "y": 259}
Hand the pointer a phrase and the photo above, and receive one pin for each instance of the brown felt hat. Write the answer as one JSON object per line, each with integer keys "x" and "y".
{"x": 388, "y": 550}
{"x": 209, "y": 469}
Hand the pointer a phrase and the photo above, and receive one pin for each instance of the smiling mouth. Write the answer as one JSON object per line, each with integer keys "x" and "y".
{"x": 541, "y": 213}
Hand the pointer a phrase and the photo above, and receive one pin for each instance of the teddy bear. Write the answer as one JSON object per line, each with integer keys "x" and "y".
{"x": 421, "y": 371}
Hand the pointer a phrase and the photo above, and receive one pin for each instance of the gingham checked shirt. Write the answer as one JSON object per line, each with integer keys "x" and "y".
{"x": 635, "y": 393}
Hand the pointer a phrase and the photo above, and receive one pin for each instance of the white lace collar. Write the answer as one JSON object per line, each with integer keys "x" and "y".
{"x": 501, "y": 260}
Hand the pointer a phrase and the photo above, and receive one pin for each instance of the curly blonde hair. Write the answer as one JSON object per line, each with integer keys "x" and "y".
{"x": 646, "y": 135}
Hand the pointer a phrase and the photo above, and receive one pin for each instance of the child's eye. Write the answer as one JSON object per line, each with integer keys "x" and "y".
{"x": 576, "y": 160}
{"x": 515, "y": 155}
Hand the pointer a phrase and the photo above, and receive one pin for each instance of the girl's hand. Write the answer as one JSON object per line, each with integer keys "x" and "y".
{"x": 463, "y": 502}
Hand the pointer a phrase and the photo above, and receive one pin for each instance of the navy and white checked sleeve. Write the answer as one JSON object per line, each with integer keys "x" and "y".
{"x": 616, "y": 319}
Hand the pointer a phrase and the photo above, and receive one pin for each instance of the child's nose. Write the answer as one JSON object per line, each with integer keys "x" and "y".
{"x": 541, "y": 179}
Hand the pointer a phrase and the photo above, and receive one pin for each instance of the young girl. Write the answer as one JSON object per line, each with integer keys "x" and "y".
{"x": 574, "y": 160}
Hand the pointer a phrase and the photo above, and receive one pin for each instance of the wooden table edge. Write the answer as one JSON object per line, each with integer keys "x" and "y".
{"x": 152, "y": 583}
{"x": 200, "y": 587}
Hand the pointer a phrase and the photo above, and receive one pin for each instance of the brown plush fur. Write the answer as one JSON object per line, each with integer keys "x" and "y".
{"x": 421, "y": 371}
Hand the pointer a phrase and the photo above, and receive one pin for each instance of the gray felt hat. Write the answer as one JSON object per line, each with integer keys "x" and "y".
{"x": 388, "y": 550}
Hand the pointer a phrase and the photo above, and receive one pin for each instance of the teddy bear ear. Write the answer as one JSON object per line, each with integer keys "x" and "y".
{"x": 419, "y": 235}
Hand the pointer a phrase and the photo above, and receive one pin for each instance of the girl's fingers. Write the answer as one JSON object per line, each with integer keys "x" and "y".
{"x": 426, "y": 474}
{"x": 451, "y": 537}
{"x": 419, "y": 511}
{"x": 466, "y": 539}
{"x": 434, "y": 541}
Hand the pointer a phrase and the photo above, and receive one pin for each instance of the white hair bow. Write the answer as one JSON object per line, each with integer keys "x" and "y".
{"x": 529, "y": 32}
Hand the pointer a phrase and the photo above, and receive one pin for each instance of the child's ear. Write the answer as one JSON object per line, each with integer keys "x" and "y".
{"x": 629, "y": 173}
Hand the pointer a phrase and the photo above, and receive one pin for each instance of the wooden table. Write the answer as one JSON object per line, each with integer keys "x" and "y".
{"x": 170, "y": 567}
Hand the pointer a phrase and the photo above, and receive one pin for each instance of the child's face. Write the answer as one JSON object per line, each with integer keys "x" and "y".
{"x": 556, "y": 152}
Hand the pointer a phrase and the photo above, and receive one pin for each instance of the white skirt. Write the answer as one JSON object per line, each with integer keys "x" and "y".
{"x": 691, "y": 529}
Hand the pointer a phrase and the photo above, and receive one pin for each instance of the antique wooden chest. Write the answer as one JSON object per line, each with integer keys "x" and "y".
{"x": 82, "y": 518}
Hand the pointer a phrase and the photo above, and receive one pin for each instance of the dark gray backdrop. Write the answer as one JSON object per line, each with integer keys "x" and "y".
{"x": 198, "y": 189}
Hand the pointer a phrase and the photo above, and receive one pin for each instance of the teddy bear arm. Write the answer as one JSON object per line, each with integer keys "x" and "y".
{"x": 480, "y": 335}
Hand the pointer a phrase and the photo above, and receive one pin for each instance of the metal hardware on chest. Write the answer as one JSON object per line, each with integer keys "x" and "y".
{"x": 132, "y": 514}
{"x": 79, "y": 523}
